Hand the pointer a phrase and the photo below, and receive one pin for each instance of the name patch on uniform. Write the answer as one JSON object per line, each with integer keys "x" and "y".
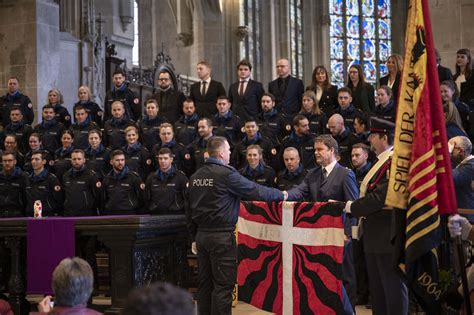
{"x": 201, "y": 182}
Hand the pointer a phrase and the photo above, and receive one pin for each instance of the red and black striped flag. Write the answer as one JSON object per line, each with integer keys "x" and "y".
{"x": 290, "y": 257}
{"x": 420, "y": 176}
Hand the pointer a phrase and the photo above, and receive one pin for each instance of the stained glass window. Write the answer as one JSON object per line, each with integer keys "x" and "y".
{"x": 360, "y": 33}
{"x": 296, "y": 38}
{"x": 250, "y": 50}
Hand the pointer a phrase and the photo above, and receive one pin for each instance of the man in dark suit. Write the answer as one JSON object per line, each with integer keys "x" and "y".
{"x": 443, "y": 72}
{"x": 205, "y": 92}
{"x": 245, "y": 94}
{"x": 169, "y": 100}
{"x": 388, "y": 291}
{"x": 287, "y": 90}
{"x": 331, "y": 181}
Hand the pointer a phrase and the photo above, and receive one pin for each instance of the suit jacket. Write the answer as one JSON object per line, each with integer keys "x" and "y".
{"x": 378, "y": 221}
{"x": 206, "y": 105}
{"x": 444, "y": 74}
{"x": 290, "y": 103}
{"x": 171, "y": 104}
{"x": 463, "y": 175}
{"x": 248, "y": 105}
{"x": 395, "y": 87}
{"x": 467, "y": 90}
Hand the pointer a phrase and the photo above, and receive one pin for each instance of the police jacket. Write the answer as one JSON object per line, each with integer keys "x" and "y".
{"x": 46, "y": 188}
{"x": 165, "y": 192}
{"x": 272, "y": 125}
{"x": 62, "y": 115}
{"x": 227, "y": 126}
{"x": 214, "y": 194}
{"x": 83, "y": 192}
{"x": 93, "y": 110}
{"x": 305, "y": 146}
{"x": 62, "y": 161}
{"x": 349, "y": 114}
{"x": 27, "y": 160}
{"x": 194, "y": 155}
{"x": 123, "y": 193}
{"x": 138, "y": 159}
{"x": 17, "y": 99}
{"x": 98, "y": 160}
{"x": 176, "y": 148}
{"x": 129, "y": 99}
{"x": 150, "y": 130}
{"x": 114, "y": 132}
{"x": 185, "y": 129}
{"x": 345, "y": 141}
{"x": 22, "y": 133}
{"x": 262, "y": 174}
{"x": 239, "y": 154}
{"x": 317, "y": 123}
{"x": 286, "y": 180}
{"x": 361, "y": 172}
{"x": 50, "y": 133}
{"x": 386, "y": 112}
{"x": 81, "y": 133}
{"x": 12, "y": 193}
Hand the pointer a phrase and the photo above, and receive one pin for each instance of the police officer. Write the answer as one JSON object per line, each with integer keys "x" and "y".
{"x": 80, "y": 129}
{"x": 50, "y": 129}
{"x": 346, "y": 109}
{"x": 19, "y": 128}
{"x": 186, "y": 127}
{"x": 168, "y": 141}
{"x": 214, "y": 198}
{"x": 149, "y": 125}
{"x": 10, "y": 145}
{"x": 82, "y": 188}
{"x": 344, "y": 137}
{"x": 94, "y": 112}
{"x": 44, "y": 186}
{"x": 294, "y": 172}
{"x": 121, "y": 92}
{"x": 123, "y": 189}
{"x": 256, "y": 170}
{"x": 114, "y": 128}
{"x": 165, "y": 189}
{"x": 13, "y": 182}
{"x": 270, "y": 122}
{"x": 14, "y": 98}
{"x": 301, "y": 139}
{"x": 225, "y": 123}
{"x": 97, "y": 155}
{"x": 137, "y": 157}
{"x": 388, "y": 291}
{"x": 61, "y": 114}
{"x": 196, "y": 152}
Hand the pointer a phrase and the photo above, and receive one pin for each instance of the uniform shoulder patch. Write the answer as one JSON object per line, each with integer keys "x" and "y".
{"x": 98, "y": 184}
{"x": 136, "y": 100}
{"x": 57, "y": 188}
{"x": 67, "y": 117}
{"x": 274, "y": 151}
{"x": 142, "y": 186}
{"x": 30, "y": 105}
{"x": 288, "y": 127}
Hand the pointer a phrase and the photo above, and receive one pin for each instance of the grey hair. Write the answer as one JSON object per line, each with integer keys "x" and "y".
{"x": 73, "y": 282}
{"x": 464, "y": 143}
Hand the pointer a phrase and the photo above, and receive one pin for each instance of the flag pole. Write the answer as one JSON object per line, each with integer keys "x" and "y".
{"x": 462, "y": 264}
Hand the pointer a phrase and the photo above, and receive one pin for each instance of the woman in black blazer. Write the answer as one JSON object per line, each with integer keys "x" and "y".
{"x": 326, "y": 93}
{"x": 392, "y": 79}
{"x": 464, "y": 76}
{"x": 363, "y": 93}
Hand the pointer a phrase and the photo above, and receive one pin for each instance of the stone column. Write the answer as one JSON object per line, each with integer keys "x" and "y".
{"x": 29, "y": 37}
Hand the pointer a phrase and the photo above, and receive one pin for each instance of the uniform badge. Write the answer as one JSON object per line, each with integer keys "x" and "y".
{"x": 100, "y": 113}
{"x": 148, "y": 162}
{"x": 187, "y": 156}
{"x": 57, "y": 188}
{"x": 30, "y": 105}
{"x": 67, "y": 117}
{"x": 136, "y": 101}
{"x": 98, "y": 185}
{"x": 51, "y": 162}
{"x": 142, "y": 186}
{"x": 288, "y": 127}
{"x": 274, "y": 151}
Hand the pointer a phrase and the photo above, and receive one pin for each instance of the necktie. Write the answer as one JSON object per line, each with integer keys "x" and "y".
{"x": 325, "y": 173}
{"x": 241, "y": 88}
{"x": 203, "y": 88}
{"x": 283, "y": 87}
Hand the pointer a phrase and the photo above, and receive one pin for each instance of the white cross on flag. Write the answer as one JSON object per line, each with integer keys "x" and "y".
{"x": 290, "y": 257}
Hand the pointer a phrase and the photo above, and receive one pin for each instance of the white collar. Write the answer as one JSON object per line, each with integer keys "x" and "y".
{"x": 207, "y": 81}
{"x": 330, "y": 167}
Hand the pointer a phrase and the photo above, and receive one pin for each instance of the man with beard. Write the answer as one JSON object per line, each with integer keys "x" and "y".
{"x": 169, "y": 100}
{"x": 196, "y": 153}
{"x": 121, "y": 92}
{"x": 14, "y": 98}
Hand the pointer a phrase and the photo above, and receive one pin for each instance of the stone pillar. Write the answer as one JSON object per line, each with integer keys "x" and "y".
{"x": 29, "y": 37}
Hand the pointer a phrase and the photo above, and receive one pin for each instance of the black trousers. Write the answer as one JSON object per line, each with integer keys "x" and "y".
{"x": 217, "y": 265}
{"x": 360, "y": 266}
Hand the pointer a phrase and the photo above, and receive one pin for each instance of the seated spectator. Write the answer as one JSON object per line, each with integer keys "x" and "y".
{"x": 73, "y": 282}
{"x": 385, "y": 108}
{"x": 61, "y": 114}
{"x": 168, "y": 141}
{"x": 159, "y": 298}
{"x": 346, "y": 109}
{"x": 13, "y": 183}
{"x": 345, "y": 139}
{"x": 316, "y": 117}
{"x": 12, "y": 146}
{"x": 80, "y": 129}
{"x": 449, "y": 93}
{"x": 94, "y": 112}
{"x": 256, "y": 170}
{"x": 453, "y": 121}
{"x": 196, "y": 152}
{"x": 35, "y": 144}
{"x": 165, "y": 189}
{"x": 362, "y": 95}
{"x": 62, "y": 156}
{"x": 50, "y": 129}
{"x": 361, "y": 128}
{"x": 270, "y": 122}
{"x": 294, "y": 172}
{"x": 97, "y": 156}
{"x": 326, "y": 93}
{"x": 137, "y": 157}
{"x": 302, "y": 140}
{"x": 114, "y": 128}
{"x": 149, "y": 125}
{"x": 225, "y": 123}
{"x": 19, "y": 128}
{"x": 186, "y": 127}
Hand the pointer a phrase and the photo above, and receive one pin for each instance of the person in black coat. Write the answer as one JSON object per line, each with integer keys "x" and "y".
{"x": 62, "y": 156}
{"x": 170, "y": 101}
{"x": 92, "y": 108}
{"x": 18, "y": 127}
{"x": 81, "y": 127}
{"x": 316, "y": 117}
{"x": 137, "y": 156}
{"x": 121, "y": 92}
{"x": 392, "y": 79}
{"x": 270, "y": 122}
{"x": 61, "y": 114}
{"x": 444, "y": 74}
{"x": 205, "y": 92}
{"x": 97, "y": 155}
{"x": 386, "y": 108}
{"x": 50, "y": 129}
{"x": 149, "y": 125}
{"x": 256, "y": 170}
{"x": 464, "y": 76}
{"x": 449, "y": 93}
{"x": 186, "y": 128}
{"x": 326, "y": 93}
{"x": 246, "y": 93}
{"x": 294, "y": 172}
{"x": 114, "y": 128}
{"x": 13, "y": 182}
{"x": 363, "y": 94}
{"x": 225, "y": 123}
{"x": 286, "y": 89}
{"x": 14, "y": 98}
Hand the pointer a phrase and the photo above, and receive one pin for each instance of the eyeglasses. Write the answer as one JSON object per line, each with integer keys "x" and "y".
{"x": 163, "y": 79}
